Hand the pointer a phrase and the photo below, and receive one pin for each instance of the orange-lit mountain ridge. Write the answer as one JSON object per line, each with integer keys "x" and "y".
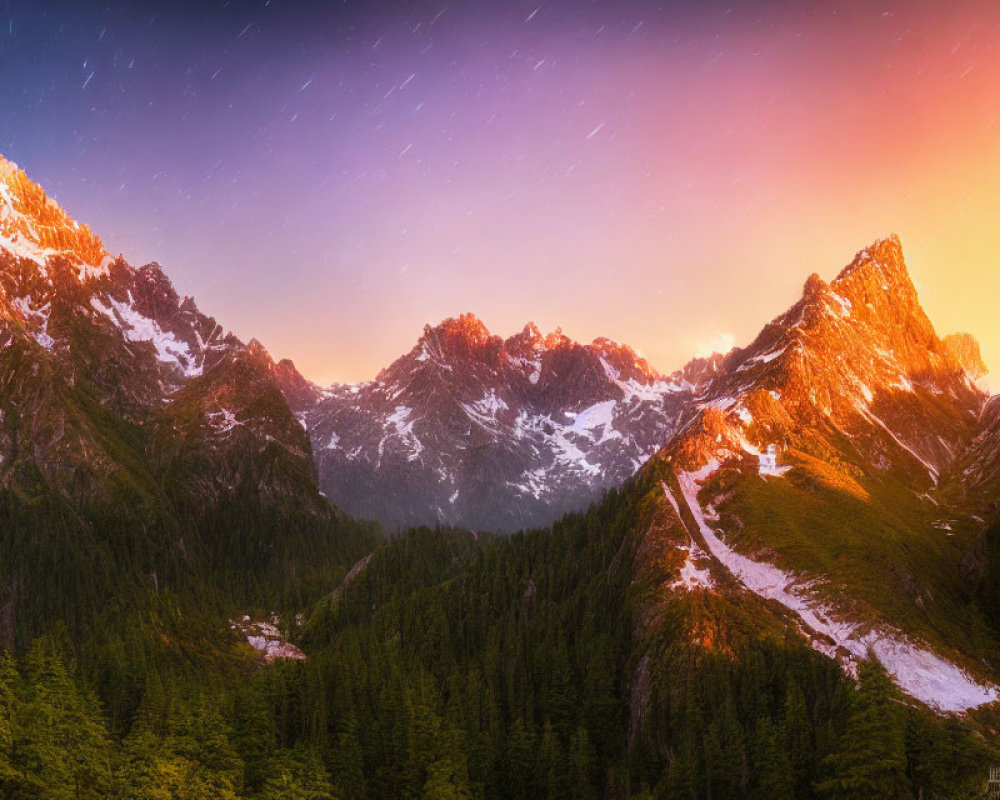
{"x": 861, "y": 538}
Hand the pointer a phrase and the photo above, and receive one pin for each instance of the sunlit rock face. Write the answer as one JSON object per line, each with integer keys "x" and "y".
{"x": 835, "y": 472}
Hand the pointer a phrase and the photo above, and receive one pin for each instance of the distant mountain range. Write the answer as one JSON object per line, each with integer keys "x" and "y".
{"x": 474, "y": 430}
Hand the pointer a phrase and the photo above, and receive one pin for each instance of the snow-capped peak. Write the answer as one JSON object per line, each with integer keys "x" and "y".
{"x": 34, "y": 227}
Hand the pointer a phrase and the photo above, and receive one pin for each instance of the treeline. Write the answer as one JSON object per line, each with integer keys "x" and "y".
{"x": 187, "y": 741}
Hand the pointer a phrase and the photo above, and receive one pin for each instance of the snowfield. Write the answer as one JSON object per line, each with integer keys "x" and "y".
{"x": 137, "y": 328}
{"x": 919, "y": 672}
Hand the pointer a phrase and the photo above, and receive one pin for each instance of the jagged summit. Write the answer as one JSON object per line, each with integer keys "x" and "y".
{"x": 814, "y": 286}
{"x": 863, "y": 332}
{"x": 878, "y": 268}
{"x": 300, "y": 392}
{"x": 471, "y": 429}
{"x": 34, "y": 227}
{"x": 526, "y": 342}
{"x": 857, "y": 352}
{"x": 466, "y": 328}
{"x": 60, "y": 287}
{"x": 884, "y": 255}
{"x": 467, "y": 337}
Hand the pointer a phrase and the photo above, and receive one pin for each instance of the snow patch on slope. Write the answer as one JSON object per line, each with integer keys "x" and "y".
{"x": 691, "y": 576}
{"x": 222, "y": 421}
{"x": 137, "y": 328}
{"x": 400, "y": 426}
{"x": 918, "y": 672}
{"x": 643, "y": 392}
{"x": 38, "y": 315}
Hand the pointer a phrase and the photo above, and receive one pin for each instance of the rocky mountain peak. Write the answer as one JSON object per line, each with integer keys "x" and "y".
{"x": 883, "y": 254}
{"x": 464, "y": 336}
{"x": 814, "y": 286}
{"x": 33, "y": 226}
{"x": 872, "y": 305}
{"x": 300, "y": 392}
{"x": 531, "y": 340}
{"x": 466, "y": 326}
{"x": 556, "y": 339}
{"x": 625, "y": 360}
{"x": 858, "y": 352}
{"x": 525, "y": 343}
{"x": 256, "y": 349}
{"x": 700, "y": 372}
{"x": 876, "y": 270}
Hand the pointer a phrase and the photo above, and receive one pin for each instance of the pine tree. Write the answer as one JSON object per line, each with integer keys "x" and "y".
{"x": 10, "y": 777}
{"x": 550, "y": 765}
{"x": 253, "y": 735}
{"x": 870, "y": 758}
{"x": 771, "y": 768}
{"x": 62, "y": 743}
{"x": 798, "y": 739}
{"x": 520, "y": 761}
{"x": 346, "y": 761}
{"x": 445, "y": 782}
{"x": 296, "y": 775}
{"x": 582, "y": 762}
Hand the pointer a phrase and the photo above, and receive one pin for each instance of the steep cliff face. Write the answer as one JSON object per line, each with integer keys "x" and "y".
{"x": 857, "y": 539}
{"x": 858, "y": 354}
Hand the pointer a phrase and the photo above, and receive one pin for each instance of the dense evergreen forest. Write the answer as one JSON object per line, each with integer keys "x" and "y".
{"x": 457, "y": 667}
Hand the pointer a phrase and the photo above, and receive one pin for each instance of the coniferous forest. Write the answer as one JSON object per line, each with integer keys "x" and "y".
{"x": 456, "y": 666}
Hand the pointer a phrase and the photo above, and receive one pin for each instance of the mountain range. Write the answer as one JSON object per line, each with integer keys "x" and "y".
{"x": 474, "y": 430}
{"x": 154, "y": 467}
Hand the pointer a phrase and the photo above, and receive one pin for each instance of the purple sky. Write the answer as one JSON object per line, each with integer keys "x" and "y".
{"x": 328, "y": 177}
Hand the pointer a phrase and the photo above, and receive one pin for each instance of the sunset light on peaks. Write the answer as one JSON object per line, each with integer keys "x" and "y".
{"x": 658, "y": 173}
{"x": 499, "y": 399}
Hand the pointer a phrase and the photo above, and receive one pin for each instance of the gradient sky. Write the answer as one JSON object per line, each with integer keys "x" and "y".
{"x": 328, "y": 177}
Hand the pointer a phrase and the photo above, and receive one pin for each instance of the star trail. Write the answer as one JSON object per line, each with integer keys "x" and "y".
{"x": 328, "y": 177}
